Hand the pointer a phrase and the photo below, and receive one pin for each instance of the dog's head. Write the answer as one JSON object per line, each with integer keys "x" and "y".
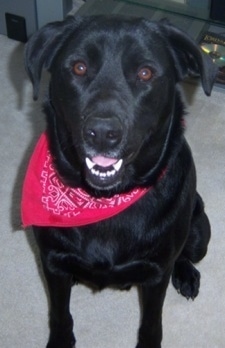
{"x": 113, "y": 110}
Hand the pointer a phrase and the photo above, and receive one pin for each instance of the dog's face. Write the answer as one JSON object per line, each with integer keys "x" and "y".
{"x": 113, "y": 93}
{"x": 114, "y": 88}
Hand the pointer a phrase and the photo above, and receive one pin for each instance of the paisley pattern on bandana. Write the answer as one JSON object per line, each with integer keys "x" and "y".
{"x": 47, "y": 201}
{"x": 64, "y": 200}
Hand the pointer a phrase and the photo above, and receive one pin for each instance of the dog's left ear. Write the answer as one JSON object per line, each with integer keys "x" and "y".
{"x": 43, "y": 46}
{"x": 189, "y": 58}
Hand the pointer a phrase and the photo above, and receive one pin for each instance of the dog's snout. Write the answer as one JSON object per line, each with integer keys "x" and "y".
{"x": 103, "y": 133}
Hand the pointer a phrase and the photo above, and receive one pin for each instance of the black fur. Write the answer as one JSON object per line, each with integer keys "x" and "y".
{"x": 113, "y": 111}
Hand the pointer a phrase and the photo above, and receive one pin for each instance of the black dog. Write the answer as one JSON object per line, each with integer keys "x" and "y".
{"x": 115, "y": 126}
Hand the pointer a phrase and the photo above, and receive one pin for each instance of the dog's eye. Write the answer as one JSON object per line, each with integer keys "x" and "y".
{"x": 80, "y": 68}
{"x": 145, "y": 74}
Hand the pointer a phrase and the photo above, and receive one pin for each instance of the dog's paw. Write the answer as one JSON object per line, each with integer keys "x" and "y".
{"x": 186, "y": 279}
{"x": 61, "y": 344}
{"x": 140, "y": 345}
{"x": 50, "y": 345}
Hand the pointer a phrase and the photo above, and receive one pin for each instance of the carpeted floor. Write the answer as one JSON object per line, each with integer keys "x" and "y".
{"x": 108, "y": 319}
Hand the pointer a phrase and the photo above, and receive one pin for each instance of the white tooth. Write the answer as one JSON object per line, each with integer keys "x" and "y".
{"x": 102, "y": 175}
{"x": 89, "y": 163}
{"x": 118, "y": 165}
{"x": 113, "y": 172}
{"x": 95, "y": 172}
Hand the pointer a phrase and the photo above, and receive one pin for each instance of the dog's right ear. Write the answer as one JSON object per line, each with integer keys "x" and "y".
{"x": 43, "y": 46}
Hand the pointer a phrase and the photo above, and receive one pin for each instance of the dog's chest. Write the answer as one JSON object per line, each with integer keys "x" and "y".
{"x": 107, "y": 255}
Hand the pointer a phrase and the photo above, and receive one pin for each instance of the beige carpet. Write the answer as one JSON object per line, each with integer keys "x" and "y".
{"x": 107, "y": 319}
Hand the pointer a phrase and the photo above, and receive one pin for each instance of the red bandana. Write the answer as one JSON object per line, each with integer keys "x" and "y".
{"x": 46, "y": 201}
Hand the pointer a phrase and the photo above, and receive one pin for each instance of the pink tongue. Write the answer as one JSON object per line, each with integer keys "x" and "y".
{"x": 104, "y": 161}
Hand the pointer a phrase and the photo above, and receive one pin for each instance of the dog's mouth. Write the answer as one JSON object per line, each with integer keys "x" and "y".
{"x": 103, "y": 172}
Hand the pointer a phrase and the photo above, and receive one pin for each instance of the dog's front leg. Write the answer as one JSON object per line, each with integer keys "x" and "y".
{"x": 60, "y": 321}
{"x": 152, "y": 299}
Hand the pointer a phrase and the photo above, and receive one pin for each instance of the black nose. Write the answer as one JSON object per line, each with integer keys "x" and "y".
{"x": 103, "y": 133}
